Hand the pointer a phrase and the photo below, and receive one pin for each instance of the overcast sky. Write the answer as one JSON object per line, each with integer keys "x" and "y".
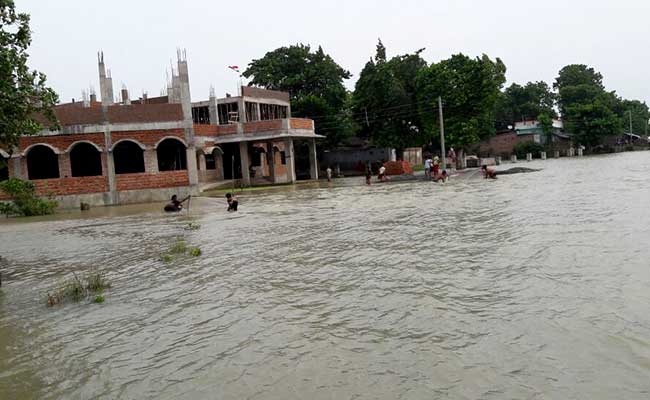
{"x": 139, "y": 37}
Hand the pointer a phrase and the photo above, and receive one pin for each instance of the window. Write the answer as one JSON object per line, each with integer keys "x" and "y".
{"x": 42, "y": 163}
{"x": 128, "y": 157}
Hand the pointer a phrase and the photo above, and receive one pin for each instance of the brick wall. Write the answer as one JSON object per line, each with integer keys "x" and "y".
{"x": 503, "y": 143}
{"x": 158, "y": 180}
{"x": 149, "y": 137}
{"x": 301, "y": 123}
{"x": 261, "y": 126}
{"x": 69, "y": 186}
{"x": 206, "y": 130}
{"x": 224, "y": 130}
{"x": 62, "y": 142}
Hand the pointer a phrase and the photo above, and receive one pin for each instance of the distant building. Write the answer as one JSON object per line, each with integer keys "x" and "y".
{"x": 503, "y": 143}
{"x": 532, "y": 127}
{"x": 125, "y": 151}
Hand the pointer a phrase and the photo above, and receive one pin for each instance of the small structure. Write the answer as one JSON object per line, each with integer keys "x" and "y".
{"x": 117, "y": 151}
{"x": 504, "y": 142}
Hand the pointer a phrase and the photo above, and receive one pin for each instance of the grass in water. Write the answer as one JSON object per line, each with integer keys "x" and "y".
{"x": 75, "y": 290}
{"x": 99, "y": 299}
{"x": 180, "y": 247}
{"x": 192, "y": 227}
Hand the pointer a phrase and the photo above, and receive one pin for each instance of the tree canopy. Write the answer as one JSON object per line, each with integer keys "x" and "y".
{"x": 518, "y": 103}
{"x": 23, "y": 92}
{"x": 590, "y": 113}
{"x": 385, "y": 100}
{"x": 469, "y": 88}
{"x": 314, "y": 81}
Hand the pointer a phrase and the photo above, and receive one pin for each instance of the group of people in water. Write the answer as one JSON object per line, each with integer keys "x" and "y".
{"x": 432, "y": 170}
{"x": 176, "y": 205}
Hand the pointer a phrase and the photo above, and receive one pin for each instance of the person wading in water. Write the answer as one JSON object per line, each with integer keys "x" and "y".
{"x": 176, "y": 205}
{"x": 232, "y": 202}
{"x": 489, "y": 173}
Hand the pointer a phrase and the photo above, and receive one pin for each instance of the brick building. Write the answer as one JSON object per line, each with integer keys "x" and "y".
{"x": 116, "y": 152}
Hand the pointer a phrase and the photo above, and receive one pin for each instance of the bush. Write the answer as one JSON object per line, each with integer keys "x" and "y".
{"x": 25, "y": 201}
{"x": 523, "y": 148}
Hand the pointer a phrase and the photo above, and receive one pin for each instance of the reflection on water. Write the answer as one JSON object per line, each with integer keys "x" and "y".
{"x": 531, "y": 286}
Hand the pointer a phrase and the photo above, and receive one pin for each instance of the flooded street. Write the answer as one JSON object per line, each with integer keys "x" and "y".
{"x": 532, "y": 286}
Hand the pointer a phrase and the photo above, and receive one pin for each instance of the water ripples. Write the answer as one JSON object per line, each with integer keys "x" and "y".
{"x": 533, "y": 286}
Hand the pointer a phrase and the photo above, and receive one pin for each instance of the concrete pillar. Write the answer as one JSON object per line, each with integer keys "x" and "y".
{"x": 245, "y": 163}
{"x": 291, "y": 163}
{"x": 513, "y": 158}
{"x": 110, "y": 172}
{"x": 241, "y": 104}
{"x": 556, "y": 154}
{"x": 529, "y": 157}
{"x": 543, "y": 155}
{"x": 218, "y": 164}
{"x": 270, "y": 160}
{"x": 151, "y": 161}
{"x": 580, "y": 152}
{"x": 15, "y": 168}
{"x": 192, "y": 168}
{"x": 259, "y": 112}
{"x": 313, "y": 160}
{"x": 201, "y": 162}
{"x": 65, "y": 169}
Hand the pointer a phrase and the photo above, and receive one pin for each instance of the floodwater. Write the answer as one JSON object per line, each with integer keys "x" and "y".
{"x": 534, "y": 286}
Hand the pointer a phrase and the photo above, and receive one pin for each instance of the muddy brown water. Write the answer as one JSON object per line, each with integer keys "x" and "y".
{"x": 533, "y": 286}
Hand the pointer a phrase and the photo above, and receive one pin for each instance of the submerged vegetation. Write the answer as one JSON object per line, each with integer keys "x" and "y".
{"x": 180, "y": 248}
{"x": 25, "y": 202}
{"x": 193, "y": 227}
{"x": 90, "y": 286}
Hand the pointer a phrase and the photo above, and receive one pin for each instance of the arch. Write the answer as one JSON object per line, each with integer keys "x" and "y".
{"x": 30, "y": 147}
{"x": 42, "y": 162}
{"x": 172, "y": 155}
{"x": 83, "y": 141}
{"x": 140, "y": 145}
{"x": 170, "y": 137}
{"x": 85, "y": 159}
{"x": 258, "y": 155}
{"x": 128, "y": 157}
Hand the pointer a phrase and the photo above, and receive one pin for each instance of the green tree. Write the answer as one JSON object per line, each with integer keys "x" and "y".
{"x": 590, "y": 113}
{"x": 545, "y": 121}
{"x": 23, "y": 93}
{"x": 640, "y": 115}
{"x": 385, "y": 100}
{"x": 518, "y": 103}
{"x": 469, "y": 88}
{"x": 314, "y": 81}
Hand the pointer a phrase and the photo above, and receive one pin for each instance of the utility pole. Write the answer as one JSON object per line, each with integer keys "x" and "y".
{"x": 442, "y": 135}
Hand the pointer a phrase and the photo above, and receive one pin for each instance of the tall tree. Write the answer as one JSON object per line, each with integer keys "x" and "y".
{"x": 23, "y": 92}
{"x": 385, "y": 100}
{"x": 590, "y": 113}
{"x": 469, "y": 88}
{"x": 315, "y": 82}
{"x": 639, "y": 113}
{"x": 519, "y": 103}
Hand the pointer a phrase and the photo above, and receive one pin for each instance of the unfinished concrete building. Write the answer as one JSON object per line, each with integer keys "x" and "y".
{"x": 116, "y": 152}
